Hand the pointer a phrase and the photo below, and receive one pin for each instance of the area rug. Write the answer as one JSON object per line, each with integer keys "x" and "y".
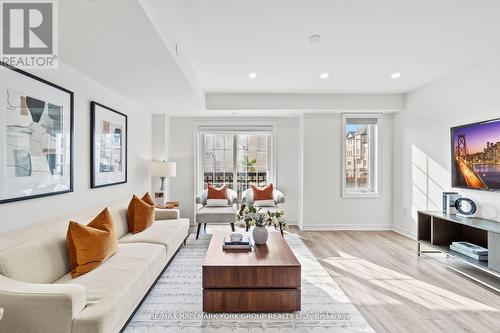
{"x": 175, "y": 303}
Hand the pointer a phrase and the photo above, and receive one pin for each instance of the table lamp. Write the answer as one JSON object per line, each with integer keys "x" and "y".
{"x": 162, "y": 169}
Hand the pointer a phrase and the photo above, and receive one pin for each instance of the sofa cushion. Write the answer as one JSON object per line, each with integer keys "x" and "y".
{"x": 115, "y": 288}
{"x": 247, "y": 197}
{"x": 147, "y": 198}
{"x": 217, "y": 193}
{"x": 264, "y": 193}
{"x": 217, "y": 203}
{"x": 140, "y": 215}
{"x": 119, "y": 212}
{"x": 216, "y": 215}
{"x": 264, "y": 203}
{"x": 232, "y": 197}
{"x": 37, "y": 253}
{"x": 169, "y": 233}
{"x": 90, "y": 245}
{"x": 43, "y": 260}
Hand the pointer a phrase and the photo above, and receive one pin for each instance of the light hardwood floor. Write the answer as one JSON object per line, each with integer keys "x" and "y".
{"x": 397, "y": 291}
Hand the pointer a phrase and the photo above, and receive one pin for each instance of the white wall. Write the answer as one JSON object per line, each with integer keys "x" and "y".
{"x": 159, "y": 144}
{"x": 422, "y": 141}
{"x": 182, "y": 150}
{"x": 22, "y": 213}
{"x": 323, "y": 205}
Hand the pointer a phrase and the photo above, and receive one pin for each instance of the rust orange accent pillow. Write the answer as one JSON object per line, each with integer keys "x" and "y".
{"x": 147, "y": 198}
{"x": 90, "y": 245}
{"x": 265, "y": 193}
{"x": 217, "y": 193}
{"x": 140, "y": 215}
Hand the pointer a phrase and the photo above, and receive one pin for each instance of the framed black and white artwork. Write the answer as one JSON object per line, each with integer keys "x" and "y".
{"x": 109, "y": 146}
{"x": 36, "y": 136}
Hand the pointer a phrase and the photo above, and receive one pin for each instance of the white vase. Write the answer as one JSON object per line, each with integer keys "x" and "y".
{"x": 260, "y": 235}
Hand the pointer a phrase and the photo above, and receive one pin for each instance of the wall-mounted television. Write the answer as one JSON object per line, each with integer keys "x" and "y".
{"x": 476, "y": 155}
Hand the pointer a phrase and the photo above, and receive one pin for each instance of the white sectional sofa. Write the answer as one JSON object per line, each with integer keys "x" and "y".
{"x": 39, "y": 295}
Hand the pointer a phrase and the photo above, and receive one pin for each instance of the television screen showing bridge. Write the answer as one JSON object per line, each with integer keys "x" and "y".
{"x": 476, "y": 156}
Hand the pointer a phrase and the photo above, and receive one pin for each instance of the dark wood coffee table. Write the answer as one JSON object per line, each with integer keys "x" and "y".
{"x": 267, "y": 280}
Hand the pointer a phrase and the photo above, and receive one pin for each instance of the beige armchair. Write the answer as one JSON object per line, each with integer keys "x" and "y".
{"x": 279, "y": 198}
{"x": 223, "y": 214}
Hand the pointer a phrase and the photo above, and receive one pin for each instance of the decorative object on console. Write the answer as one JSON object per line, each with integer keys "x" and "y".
{"x": 449, "y": 199}
{"x": 465, "y": 207}
{"x": 162, "y": 169}
{"x": 109, "y": 146}
{"x": 470, "y": 250}
{"x": 169, "y": 205}
{"x": 36, "y": 126}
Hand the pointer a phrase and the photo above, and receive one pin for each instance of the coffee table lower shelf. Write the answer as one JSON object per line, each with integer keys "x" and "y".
{"x": 251, "y": 300}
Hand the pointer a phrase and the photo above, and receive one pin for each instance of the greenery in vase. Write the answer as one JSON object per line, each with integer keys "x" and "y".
{"x": 259, "y": 217}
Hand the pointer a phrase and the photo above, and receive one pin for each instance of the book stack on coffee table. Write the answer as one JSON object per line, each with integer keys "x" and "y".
{"x": 239, "y": 245}
{"x": 470, "y": 250}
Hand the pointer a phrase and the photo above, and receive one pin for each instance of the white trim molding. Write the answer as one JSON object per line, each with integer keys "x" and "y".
{"x": 404, "y": 232}
{"x": 347, "y": 227}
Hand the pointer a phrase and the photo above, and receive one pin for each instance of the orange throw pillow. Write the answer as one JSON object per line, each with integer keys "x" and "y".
{"x": 217, "y": 193}
{"x": 265, "y": 193}
{"x": 90, "y": 245}
{"x": 140, "y": 214}
{"x": 147, "y": 198}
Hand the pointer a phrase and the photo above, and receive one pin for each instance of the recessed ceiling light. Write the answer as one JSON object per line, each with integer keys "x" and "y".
{"x": 314, "y": 39}
{"x": 396, "y": 75}
{"x": 252, "y": 75}
{"x": 324, "y": 75}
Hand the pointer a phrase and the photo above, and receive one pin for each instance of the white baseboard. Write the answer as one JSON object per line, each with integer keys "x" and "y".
{"x": 404, "y": 232}
{"x": 294, "y": 223}
{"x": 367, "y": 227}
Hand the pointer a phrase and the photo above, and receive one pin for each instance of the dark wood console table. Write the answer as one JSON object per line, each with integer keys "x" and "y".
{"x": 439, "y": 230}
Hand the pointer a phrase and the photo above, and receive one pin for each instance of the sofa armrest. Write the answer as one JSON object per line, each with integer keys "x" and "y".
{"x": 34, "y": 307}
{"x": 167, "y": 214}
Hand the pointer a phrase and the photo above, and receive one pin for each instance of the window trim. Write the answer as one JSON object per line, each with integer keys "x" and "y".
{"x": 230, "y": 128}
{"x": 377, "y": 159}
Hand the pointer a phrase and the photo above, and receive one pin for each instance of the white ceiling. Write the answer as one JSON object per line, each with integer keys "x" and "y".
{"x": 363, "y": 42}
{"x": 114, "y": 43}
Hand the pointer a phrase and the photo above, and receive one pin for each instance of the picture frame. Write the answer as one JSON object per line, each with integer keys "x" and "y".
{"x": 36, "y": 136}
{"x": 109, "y": 145}
{"x": 479, "y": 170}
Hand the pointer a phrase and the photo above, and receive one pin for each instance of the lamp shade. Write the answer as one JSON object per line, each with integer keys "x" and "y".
{"x": 163, "y": 169}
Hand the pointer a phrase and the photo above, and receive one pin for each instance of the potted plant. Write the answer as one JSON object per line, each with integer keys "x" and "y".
{"x": 253, "y": 216}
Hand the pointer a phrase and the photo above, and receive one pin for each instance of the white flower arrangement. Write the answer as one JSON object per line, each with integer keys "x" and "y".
{"x": 258, "y": 217}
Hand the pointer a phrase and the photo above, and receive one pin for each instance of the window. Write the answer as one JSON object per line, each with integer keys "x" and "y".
{"x": 360, "y": 155}
{"x": 236, "y": 157}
